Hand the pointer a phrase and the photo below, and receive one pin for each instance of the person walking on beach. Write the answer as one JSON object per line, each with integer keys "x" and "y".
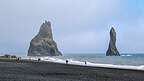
{"x": 39, "y": 59}
{"x": 18, "y": 60}
{"x": 85, "y": 62}
{"x": 66, "y": 61}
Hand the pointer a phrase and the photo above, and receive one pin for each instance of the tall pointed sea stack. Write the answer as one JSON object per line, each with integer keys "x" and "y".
{"x": 112, "y": 50}
{"x": 43, "y": 44}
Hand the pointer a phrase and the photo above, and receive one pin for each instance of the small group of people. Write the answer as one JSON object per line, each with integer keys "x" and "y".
{"x": 84, "y": 62}
{"x": 66, "y": 61}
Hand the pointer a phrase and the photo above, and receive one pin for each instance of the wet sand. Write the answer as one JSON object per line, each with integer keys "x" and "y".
{"x": 48, "y": 71}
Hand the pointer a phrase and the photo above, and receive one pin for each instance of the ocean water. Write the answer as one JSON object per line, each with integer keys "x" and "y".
{"x": 125, "y": 61}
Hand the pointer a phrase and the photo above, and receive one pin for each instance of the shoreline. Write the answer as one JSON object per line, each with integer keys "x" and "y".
{"x": 26, "y": 70}
{"x": 90, "y": 64}
{"x": 94, "y": 65}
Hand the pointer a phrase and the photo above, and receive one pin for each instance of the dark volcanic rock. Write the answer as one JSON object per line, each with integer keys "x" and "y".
{"x": 112, "y": 50}
{"x": 43, "y": 44}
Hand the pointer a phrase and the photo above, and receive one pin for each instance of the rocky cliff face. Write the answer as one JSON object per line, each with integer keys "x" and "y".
{"x": 43, "y": 44}
{"x": 112, "y": 50}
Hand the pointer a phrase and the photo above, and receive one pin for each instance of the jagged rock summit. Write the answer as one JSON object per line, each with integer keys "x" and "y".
{"x": 43, "y": 44}
{"x": 112, "y": 50}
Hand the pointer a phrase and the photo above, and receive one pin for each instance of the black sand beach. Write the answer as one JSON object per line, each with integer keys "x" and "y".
{"x": 47, "y": 71}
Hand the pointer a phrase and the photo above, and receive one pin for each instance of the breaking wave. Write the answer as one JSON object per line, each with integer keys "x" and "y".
{"x": 126, "y": 55}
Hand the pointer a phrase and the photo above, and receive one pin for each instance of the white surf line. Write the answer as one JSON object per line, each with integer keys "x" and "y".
{"x": 56, "y": 60}
{"x": 118, "y": 66}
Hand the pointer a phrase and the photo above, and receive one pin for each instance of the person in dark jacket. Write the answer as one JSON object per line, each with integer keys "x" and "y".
{"x": 39, "y": 59}
{"x": 66, "y": 61}
{"x": 85, "y": 62}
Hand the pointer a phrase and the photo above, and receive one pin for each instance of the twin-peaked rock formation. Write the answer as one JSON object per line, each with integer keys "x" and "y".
{"x": 43, "y": 44}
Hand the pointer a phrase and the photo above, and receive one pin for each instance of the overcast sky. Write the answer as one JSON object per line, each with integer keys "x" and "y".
{"x": 79, "y": 26}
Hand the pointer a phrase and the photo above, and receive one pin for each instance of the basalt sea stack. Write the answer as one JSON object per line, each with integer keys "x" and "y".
{"x": 112, "y": 50}
{"x": 43, "y": 44}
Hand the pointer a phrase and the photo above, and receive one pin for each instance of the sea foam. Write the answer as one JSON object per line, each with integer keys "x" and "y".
{"x": 126, "y": 55}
